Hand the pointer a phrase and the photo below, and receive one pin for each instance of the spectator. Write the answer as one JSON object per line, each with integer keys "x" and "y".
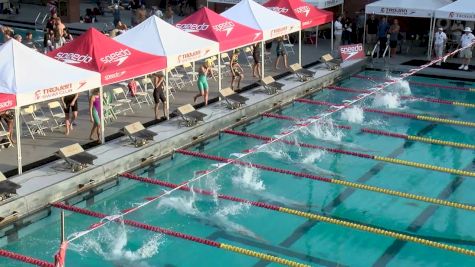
{"x": 51, "y": 22}
{"x": 59, "y": 33}
{"x": 440, "y": 39}
{"x": 394, "y": 36}
{"x": 281, "y": 53}
{"x": 121, "y": 27}
{"x": 338, "y": 32}
{"x": 236, "y": 70}
{"x": 256, "y": 56}
{"x": 169, "y": 14}
{"x": 116, "y": 7}
{"x": 29, "y": 41}
{"x": 360, "y": 26}
{"x": 68, "y": 37}
{"x": 347, "y": 32}
{"x": 383, "y": 29}
{"x": 466, "y": 40}
{"x": 18, "y": 37}
{"x": 371, "y": 30}
{"x": 141, "y": 14}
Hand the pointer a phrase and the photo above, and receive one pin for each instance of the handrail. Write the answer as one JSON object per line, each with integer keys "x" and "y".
{"x": 36, "y": 19}
{"x": 375, "y": 50}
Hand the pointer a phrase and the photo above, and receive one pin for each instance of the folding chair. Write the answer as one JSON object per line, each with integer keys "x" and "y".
{"x": 33, "y": 125}
{"x": 289, "y": 47}
{"x": 109, "y": 112}
{"x": 121, "y": 100}
{"x": 212, "y": 61}
{"x": 232, "y": 99}
{"x": 176, "y": 79}
{"x": 270, "y": 85}
{"x": 5, "y": 141}
{"x": 57, "y": 113}
{"x": 330, "y": 62}
{"x": 76, "y": 157}
{"x": 190, "y": 116}
{"x": 248, "y": 55}
{"x": 140, "y": 95}
{"x": 302, "y": 74}
{"x": 226, "y": 61}
{"x": 138, "y": 133}
{"x": 41, "y": 116}
{"x": 7, "y": 188}
{"x": 191, "y": 74}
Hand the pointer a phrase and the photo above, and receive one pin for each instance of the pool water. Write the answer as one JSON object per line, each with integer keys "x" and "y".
{"x": 284, "y": 235}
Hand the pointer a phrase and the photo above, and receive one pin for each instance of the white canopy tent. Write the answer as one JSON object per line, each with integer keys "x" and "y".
{"x": 33, "y": 77}
{"x": 463, "y": 10}
{"x": 272, "y": 24}
{"x": 406, "y": 8}
{"x": 158, "y": 37}
{"x": 326, "y": 3}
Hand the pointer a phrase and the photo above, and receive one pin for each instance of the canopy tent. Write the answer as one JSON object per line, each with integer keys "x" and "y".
{"x": 28, "y": 77}
{"x": 158, "y": 37}
{"x": 228, "y": 33}
{"x": 407, "y": 8}
{"x": 308, "y": 15}
{"x": 326, "y": 3}
{"x": 255, "y": 16}
{"x": 113, "y": 60}
{"x": 458, "y": 10}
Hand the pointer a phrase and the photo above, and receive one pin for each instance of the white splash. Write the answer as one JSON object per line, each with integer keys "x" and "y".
{"x": 248, "y": 178}
{"x": 325, "y": 131}
{"x": 402, "y": 87}
{"x": 313, "y": 156}
{"x": 387, "y": 100}
{"x": 353, "y": 114}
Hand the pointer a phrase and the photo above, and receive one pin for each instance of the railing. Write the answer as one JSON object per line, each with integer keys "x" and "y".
{"x": 375, "y": 50}
{"x": 40, "y": 21}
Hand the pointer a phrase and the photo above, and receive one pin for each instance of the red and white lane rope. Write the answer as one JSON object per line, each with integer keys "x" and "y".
{"x": 298, "y": 127}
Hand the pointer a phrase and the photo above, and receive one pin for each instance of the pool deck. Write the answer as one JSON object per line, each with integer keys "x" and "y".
{"x": 53, "y": 181}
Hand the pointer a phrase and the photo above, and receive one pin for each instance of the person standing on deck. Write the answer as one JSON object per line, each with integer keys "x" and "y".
{"x": 440, "y": 39}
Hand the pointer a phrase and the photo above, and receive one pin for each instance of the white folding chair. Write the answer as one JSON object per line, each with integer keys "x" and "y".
{"x": 226, "y": 61}
{"x": 41, "y": 116}
{"x": 140, "y": 95}
{"x": 289, "y": 47}
{"x": 121, "y": 104}
{"x": 109, "y": 112}
{"x": 33, "y": 125}
{"x": 191, "y": 74}
{"x": 248, "y": 55}
{"x": 176, "y": 79}
{"x": 57, "y": 113}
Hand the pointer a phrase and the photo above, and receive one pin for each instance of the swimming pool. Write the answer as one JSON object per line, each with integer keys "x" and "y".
{"x": 285, "y": 177}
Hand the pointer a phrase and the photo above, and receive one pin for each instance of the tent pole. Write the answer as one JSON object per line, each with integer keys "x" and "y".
{"x": 316, "y": 37}
{"x": 262, "y": 58}
{"x": 101, "y": 100}
{"x": 332, "y": 37}
{"x": 219, "y": 72}
{"x": 300, "y": 47}
{"x": 168, "y": 93}
{"x": 364, "y": 30}
{"x": 431, "y": 38}
{"x": 18, "y": 141}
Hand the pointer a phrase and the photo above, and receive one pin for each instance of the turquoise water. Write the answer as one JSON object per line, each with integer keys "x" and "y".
{"x": 283, "y": 235}
{"x": 37, "y": 35}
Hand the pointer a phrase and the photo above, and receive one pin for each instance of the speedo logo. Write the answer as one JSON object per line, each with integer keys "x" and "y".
{"x": 6, "y": 104}
{"x": 193, "y": 27}
{"x": 279, "y": 9}
{"x": 73, "y": 58}
{"x": 226, "y": 26}
{"x": 302, "y": 9}
{"x": 114, "y": 75}
{"x": 118, "y": 56}
{"x": 351, "y": 50}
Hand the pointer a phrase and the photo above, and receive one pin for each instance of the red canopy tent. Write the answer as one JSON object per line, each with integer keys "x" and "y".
{"x": 7, "y": 101}
{"x": 114, "y": 61}
{"x": 309, "y": 15}
{"x": 228, "y": 33}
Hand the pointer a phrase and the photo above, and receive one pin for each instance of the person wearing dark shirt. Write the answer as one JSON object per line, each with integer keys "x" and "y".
{"x": 371, "y": 30}
{"x": 383, "y": 29}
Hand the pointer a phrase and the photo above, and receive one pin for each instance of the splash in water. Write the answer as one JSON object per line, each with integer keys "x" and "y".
{"x": 353, "y": 114}
{"x": 248, "y": 178}
{"x": 402, "y": 87}
{"x": 111, "y": 244}
{"x": 325, "y": 131}
{"x": 387, "y": 100}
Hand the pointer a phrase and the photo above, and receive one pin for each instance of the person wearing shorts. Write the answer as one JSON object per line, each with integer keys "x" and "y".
{"x": 202, "y": 82}
{"x": 440, "y": 39}
{"x": 256, "y": 55}
{"x": 466, "y": 40}
{"x": 159, "y": 94}
{"x": 236, "y": 70}
{"x": 70, "y": 104}
{"x": 394, "y": 36}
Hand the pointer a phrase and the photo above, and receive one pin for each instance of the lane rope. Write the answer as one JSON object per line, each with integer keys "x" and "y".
{"x": 423, "y": 84}
{"x": 192, "y": 238}
{"x": 311, "y": 216}
{"x": 357, "y": 154}
{"x": 24, "y": 258}
{"x": 393, "y": 113}
{"x": 414, "y": 138}
{"x": 404, "y": 97}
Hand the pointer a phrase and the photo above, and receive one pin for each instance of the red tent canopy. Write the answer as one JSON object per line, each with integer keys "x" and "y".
{"x": 114, "y": 61}
{"x": 228, "y": 33}
{"x": 7, "y": 101}
{"x": 309, "y": 15}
